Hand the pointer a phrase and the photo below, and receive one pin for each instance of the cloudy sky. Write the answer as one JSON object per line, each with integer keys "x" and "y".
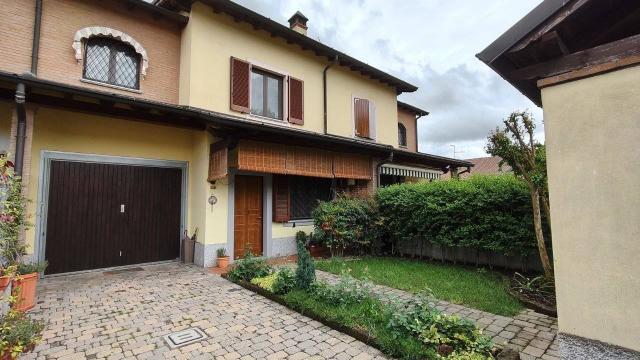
{"x": 432, "y": 44}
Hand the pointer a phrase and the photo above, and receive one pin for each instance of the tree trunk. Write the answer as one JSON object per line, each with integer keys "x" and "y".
{"x": 537, "y": 224}
{"x": 545, "y": 207}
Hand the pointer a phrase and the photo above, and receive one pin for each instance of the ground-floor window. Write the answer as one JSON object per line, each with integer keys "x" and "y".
{"x": 386, "y": 180}
{"x": 304, "y": 193}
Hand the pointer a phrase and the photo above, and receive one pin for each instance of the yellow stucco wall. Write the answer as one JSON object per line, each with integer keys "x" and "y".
{"x": 6, "y": 110}
{"x": 210, "y": 40}
{"x": 279, "y": 231}
{"x": 592, "y": 127}
{"x": 60, "y": 130}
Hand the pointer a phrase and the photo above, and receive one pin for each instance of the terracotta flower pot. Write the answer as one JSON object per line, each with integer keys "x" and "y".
{"x": 317, "y": 251}
{"x": 24, "y": 288}
{"x": 4, "y": 281}
{"x": 223, "y": 262}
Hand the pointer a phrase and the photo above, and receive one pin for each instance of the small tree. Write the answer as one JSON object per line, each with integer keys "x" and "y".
{"x": 306, "y": 270}
{"x": 516, "y": 145}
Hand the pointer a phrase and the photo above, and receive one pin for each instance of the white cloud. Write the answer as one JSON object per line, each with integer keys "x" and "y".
{"x": 432, "y": 44}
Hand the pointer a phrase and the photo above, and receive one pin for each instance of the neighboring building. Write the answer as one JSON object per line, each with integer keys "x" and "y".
{"x": 579, "y": 61}
{"x": 489, "y": 165}
{"x": 133, "y": 122}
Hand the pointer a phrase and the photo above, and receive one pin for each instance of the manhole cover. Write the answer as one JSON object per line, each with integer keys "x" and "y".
{"x": 184, "y": 337}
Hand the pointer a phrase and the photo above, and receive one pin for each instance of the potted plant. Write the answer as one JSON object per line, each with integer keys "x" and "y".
{"x": 223, "y": 258}
{"x": 6, "y": 275}
{"x": 18, "y": 334}
{"x": 24, "y": 285}
{"x": 315, "y": 247}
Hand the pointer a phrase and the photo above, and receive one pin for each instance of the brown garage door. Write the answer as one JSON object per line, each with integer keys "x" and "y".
{"x": 103, "y": 215}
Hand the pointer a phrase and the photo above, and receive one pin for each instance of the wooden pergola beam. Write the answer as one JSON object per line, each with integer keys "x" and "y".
{"x": 611, "y": 52}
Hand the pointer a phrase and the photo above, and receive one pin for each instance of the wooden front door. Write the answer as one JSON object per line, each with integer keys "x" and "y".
{"x": 247, "y": 215}
{"x": 104, "y": 215}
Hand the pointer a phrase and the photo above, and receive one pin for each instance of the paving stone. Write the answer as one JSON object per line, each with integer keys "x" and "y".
{"x": 124, "y": 316}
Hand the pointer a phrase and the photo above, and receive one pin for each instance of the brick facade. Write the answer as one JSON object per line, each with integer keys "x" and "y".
{"x": 60, "y": 21}
{"x": 16, "y": 34}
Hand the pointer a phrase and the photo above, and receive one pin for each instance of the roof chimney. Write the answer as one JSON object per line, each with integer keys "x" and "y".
{"x": 298, "y": 22}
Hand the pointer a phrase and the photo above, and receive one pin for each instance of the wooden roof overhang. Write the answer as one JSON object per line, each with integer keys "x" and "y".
{"x": 259, "y": 22}
{"x": 563, "y": 40}
{"x": 58, "y": 95}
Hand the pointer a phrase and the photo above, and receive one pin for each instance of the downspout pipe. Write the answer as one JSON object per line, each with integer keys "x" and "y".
{"x": 35, "y": 47}
{"x": 324, "y": 90}
{"x": 388, "y": 160}
{"x": 21, "y": 128}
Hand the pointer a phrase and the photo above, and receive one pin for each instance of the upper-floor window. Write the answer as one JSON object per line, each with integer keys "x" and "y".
{"x": 364, "y": 118}
{"x": 111, "y": 62}
{"x": 266, "y": 94}
{"x": 402, "y": 135}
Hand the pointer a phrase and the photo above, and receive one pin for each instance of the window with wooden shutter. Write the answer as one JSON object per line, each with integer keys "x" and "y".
{"x": 296, "y": 101}
{"x": 361, "y": 116}
{"x": 281, "y": 198}
{"x": 240, "y": 80}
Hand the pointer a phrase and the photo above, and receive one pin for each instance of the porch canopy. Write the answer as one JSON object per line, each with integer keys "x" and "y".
{"x": 410, "y": 171}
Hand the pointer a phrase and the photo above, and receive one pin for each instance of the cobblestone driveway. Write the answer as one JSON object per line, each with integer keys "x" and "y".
{"x": 98, "y": 316}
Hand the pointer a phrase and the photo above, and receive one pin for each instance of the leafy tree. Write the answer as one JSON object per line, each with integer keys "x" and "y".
{"x": 516, "y": 145}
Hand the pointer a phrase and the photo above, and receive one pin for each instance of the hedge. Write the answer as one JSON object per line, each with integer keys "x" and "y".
{"x": 491, "y": 213}
{"x": 487, "y": 213}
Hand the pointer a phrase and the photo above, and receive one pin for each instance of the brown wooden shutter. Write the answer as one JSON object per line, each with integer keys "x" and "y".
{"x": 361, "y": 115}
{"x": 296, "y": 101}
{"x": 218, "y": 160}
{"x": 240, "y": 81}
{"x": 280, "y": 198}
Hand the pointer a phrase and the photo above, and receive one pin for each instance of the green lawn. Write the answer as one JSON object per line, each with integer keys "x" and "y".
{"x": 483, "y": 290}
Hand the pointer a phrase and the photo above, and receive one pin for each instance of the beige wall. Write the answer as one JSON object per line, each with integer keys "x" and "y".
{"x": 592, "y": 128}
{"x": 210, "y": 40}
{"x": 60, "y": 130}
{"x": 408, "y": 119}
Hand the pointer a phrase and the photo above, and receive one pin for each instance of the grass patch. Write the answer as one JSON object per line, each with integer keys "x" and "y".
{"x": 482, "y": 290}
{"x": 369, "y": 316}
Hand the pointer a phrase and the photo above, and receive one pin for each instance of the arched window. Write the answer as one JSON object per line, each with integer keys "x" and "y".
{"x": 111, "y": 61}
{"x": 402, "y": 135}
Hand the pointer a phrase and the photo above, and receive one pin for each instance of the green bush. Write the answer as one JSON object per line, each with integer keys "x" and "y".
{"x": 285, "y": 281}
{"x": 249, "y": 268}
{"x": 265, "y": 282}
{"x": 18, "y": 333}
{"x": 491, "y": 213}
{"x": 347, "y": 223}
{"x": 347, "y": 291}
{"x": 306, "y": 270}
{"x": 452, "y": 336}
{"x": 29, "y": 268}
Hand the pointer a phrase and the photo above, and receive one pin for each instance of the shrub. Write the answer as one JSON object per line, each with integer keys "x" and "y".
{"x": 13, "y": 216}
{"x": 452, "y": 336}
{"x": 249, "y": 268}
{"x": 285, "y": 281}
{"x": 347, "y": 291}
{"x": 491, "y": 213}
{"x": 306, "y": 270}
{"x": 29, "y": 268}
{"x": 265, "y": 282}
{"x": 347, "y": 223}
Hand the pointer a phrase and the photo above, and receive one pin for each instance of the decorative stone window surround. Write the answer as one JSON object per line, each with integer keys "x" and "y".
{"x": 90, "y": 31}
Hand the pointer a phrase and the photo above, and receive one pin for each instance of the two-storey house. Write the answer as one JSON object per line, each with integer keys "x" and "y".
{"x": 134, "y": 122}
